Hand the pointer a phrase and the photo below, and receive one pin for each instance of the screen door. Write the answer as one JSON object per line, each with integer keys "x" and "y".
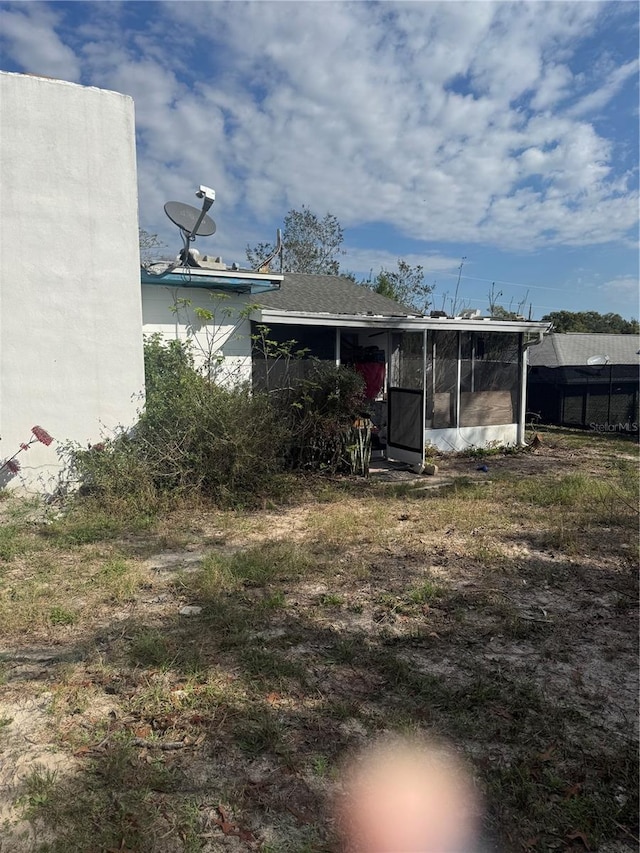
{"x": 405, "y": 395}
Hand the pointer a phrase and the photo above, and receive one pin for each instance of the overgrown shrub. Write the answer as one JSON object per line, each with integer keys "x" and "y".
{"x": 321, "y": 409}
{"x": 192, "y": 437}
{"x": 226, "y": 443}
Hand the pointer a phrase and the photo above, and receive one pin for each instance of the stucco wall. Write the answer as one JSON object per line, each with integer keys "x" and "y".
{"x": 70, "y": 308}
{"x": 171, "y": 311}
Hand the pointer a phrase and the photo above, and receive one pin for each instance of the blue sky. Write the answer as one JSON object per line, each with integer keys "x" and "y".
{"x": 506, "y": 133}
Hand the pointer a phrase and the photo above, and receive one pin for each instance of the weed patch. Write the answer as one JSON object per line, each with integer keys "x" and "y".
{"x": 253, "y": 567}
{"x": 86, "y": 522}
{"x": 426, "y": 592}
{"x": 12, "y": 542}
{"x": 61, "y": 616}
{"x": 117, "y": 804}
{"x": 499, "y": 614}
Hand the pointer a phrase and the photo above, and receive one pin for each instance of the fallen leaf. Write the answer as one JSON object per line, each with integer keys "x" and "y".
{"x": 229, "y": 828}
{"x": 578, "y": 835}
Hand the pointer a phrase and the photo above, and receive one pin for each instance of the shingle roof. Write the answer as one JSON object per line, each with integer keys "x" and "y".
{"x": 330, "y": 294}
{"x": 572, "y": 349}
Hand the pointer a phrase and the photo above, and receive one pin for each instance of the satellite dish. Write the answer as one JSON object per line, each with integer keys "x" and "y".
{"x": 597, "y": 360}
{"x": 192, "y": 222}
{"x": 189, "y": 219}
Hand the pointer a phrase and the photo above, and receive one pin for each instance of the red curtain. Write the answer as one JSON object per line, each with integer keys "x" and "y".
{"x": 373, "y": 375}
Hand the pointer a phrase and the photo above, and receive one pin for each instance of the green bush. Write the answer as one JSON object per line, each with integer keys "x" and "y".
{"x": 192, "y": 437}
{"x": 226, "y": 443}
{"x": 321, "y": 409}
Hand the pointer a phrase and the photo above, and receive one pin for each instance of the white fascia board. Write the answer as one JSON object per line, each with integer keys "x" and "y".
{"x": 345, "y": 321}
{"x": 229, "y": 273}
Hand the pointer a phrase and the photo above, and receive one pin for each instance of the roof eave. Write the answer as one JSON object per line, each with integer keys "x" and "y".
{"x": 229, "y": 281}
{"x": 415, "y": 322}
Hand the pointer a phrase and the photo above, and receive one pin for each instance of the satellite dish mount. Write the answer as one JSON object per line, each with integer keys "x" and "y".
{"x": 191, "y": 221}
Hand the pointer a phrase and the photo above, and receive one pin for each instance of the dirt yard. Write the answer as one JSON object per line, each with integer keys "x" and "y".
{"x": 195, "y": 682}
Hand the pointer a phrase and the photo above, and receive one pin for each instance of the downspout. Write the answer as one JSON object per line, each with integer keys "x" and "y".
{"x": 337, "y": 347}
{"x": 524, "y": 359}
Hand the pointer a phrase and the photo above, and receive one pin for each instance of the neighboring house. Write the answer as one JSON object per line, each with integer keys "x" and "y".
{"x": 70, "y": 343}
{"x": 453, "y": 384}
{"x": 586, "y": 380}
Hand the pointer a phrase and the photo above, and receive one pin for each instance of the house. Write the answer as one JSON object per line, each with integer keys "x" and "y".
{"x": 75, "y": 305}
{"x": 586, "y": 380}
{"x": 448, "y": 383}
{"x": 70, "y": 329}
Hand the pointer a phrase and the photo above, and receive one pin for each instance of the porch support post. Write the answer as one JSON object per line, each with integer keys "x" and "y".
{"x": 337, "y": 347}
{"x": 522, "y": 415}
{"x": 458, "y": 380}
{"x": 424, "y": 390}
{"x": 473, "y": 361}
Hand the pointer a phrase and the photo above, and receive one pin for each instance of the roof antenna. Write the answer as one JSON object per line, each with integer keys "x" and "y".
{"x": 263, "y": 266}
{"x": 455, "y": 298}
{"x": 192, "y": 222}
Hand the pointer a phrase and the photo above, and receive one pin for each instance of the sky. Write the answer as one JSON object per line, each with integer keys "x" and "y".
{"x": 504, "y": 134}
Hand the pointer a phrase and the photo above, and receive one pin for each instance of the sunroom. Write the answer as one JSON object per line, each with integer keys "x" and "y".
{"x": 452, "y": 384}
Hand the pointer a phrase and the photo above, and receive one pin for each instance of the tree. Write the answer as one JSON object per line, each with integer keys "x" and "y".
{"x": 405, "y": 285}
{"x": 148, "y": 243}
{"x": 499, "y": 312}
{"x": 591, "y": 321}
{"x": 310, "y": 244}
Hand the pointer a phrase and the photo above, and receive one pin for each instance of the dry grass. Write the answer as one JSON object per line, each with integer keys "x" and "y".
{"x": 500, "y": 613}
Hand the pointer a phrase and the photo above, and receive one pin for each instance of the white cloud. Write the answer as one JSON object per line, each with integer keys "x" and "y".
{"x": 554, "y": 86}
{"x": 364, "y": 260}
{"x": 443, "y": 120}
{"x": 602, "y": 96}
{"x": 624, "y": 287}
{"x": 28, "y": 35}
{"x": 363, "y": 120}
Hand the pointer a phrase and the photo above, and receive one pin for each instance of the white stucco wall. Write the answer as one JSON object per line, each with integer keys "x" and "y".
{"x": 227, "y": 335}
{"x": 70, "y": 308}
